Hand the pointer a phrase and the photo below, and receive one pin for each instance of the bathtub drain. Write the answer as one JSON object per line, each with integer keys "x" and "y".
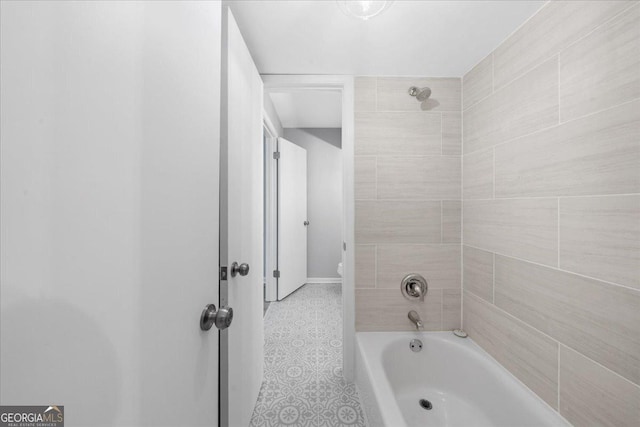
{"x": 425, "y": 404}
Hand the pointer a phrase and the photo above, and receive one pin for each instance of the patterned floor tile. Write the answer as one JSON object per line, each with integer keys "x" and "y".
{"x": 303, "y": 383}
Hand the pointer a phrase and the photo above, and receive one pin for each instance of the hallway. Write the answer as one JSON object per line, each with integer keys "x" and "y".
{"x": 303, "y": 384}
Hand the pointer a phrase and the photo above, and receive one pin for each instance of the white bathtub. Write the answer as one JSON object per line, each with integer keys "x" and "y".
{"x": 465, "y": 386}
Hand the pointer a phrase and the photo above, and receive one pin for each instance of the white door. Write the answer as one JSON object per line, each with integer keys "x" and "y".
{"x": 292, "y": 217}
{"x": 241, "y": 225}
{"x": 109, "y": 209}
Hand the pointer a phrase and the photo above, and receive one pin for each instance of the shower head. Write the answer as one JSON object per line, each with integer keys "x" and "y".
{"x": 421, "y": 94}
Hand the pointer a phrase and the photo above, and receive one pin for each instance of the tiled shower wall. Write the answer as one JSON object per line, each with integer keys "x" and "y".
{"x": 551, "y": 216}
{"x": 408, "y": 201}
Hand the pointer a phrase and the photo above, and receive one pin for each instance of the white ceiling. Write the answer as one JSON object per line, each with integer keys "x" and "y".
{"x": 411, "y": 38}
{"x": 308, "y": 109}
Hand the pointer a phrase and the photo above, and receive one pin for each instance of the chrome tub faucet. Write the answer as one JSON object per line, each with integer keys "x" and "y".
{"x": 415, "y": 319}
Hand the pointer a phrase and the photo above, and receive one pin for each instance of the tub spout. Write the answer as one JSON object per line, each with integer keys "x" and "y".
{"x": 415, "y": 319}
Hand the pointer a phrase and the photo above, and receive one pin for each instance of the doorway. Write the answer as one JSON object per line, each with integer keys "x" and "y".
{"x": 309, "y": 323}
{"x": 303, "y": 190}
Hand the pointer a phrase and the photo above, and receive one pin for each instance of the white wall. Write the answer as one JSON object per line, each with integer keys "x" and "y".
{"x": 324, "y": 198}
{"x": 109, "y": 209}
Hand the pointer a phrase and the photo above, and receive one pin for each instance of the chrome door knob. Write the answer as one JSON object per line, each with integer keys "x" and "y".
{"x": 242, "y": 269}
{"x": 224, "y": 317}
{"x": 210, "y": 316}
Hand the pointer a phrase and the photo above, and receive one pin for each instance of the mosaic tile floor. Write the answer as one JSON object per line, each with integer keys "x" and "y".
{"x": 303, "y": 384}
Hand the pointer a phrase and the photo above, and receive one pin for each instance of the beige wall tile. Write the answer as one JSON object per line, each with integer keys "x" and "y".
{"x": 398, "y": 133}
{"x": 398, "y": 222}
{"x": 365, "y": 94}
{"x": 478, "y": 272}
{"x": 603, "y": 69}
{"x": 451, "y": 308}
{"x": 365, "y": 270}
{"x": 478, "y": 83}
{"x": 600, "y": 237}
{"x": 451, "y": 133}
{"x": 554, "y": 112}
{"x": 451, "y": 221}
{"x": 478, "y": 175}
{"x": 599, "y": 154}
{"x": 407, "y": 185}
{"x": 526, "y": 105}
{"x": 393, "y": 93}
{"x": 365, "y": 177}
{"x": 553, "y": 28}
{"x": 439, "y": 264}
{"x": 527, "y": 353}
{"x": 597, "y": 319}
{"x": 419, "y": 178}
{"x": 387, "y": 310}
{"x": 524, "y": 228}
{"x": 591, "y": 395}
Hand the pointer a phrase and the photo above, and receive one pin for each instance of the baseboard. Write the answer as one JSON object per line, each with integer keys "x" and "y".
{"x": 324, "y": 280}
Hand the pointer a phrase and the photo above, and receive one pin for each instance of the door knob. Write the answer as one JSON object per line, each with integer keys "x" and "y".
{"x": 221, "y": 318}
{"x": 306, "y": 223}
{"x": 242, "y": 269}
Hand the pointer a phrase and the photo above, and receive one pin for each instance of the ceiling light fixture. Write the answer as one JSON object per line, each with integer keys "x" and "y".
{"x": 363, "y": 9}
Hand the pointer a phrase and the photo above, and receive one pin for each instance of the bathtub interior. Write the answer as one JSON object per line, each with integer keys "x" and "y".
{"x": 463, "y": 385}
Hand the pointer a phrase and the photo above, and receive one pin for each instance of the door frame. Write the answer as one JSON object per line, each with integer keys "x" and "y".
{"x": 270, "y": 208}
{"x": 343, "y": 84}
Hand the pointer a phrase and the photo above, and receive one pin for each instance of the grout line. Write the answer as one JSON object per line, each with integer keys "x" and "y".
{"x": 555, "y": 268}
{"x": 476, "y": 103}
{"x": 599, "y": 26}
{"x": 601, "y": 365}
{"x": 558, "y": 381}
{"x": 552, "y": 197}
{"x": 558, "y": 52}
{"x": 518, "y": 321}
{"x": 556, "y": 125}
{"x": 632, "y": 4}
{"x": 513, "y": 375}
